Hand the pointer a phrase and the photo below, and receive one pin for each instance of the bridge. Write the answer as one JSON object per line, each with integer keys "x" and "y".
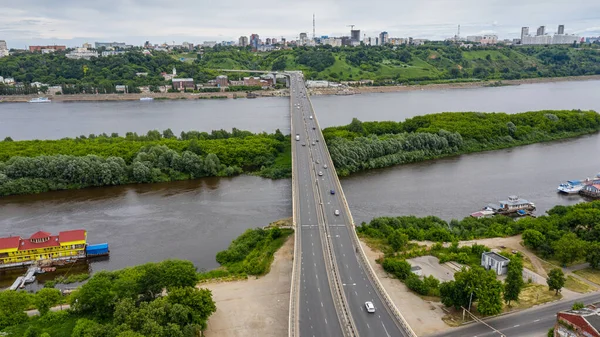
{"x": 332, "y": 278}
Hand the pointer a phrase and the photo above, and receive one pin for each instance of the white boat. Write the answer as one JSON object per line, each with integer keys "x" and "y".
{"x": 571, "y": 186}
{"x": 40, "y": 100}
{"x": 146, "y": 99}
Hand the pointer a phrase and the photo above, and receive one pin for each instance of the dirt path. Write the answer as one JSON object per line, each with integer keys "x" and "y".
{"x": 425, "y": 317}
{"x": 254, "y": 307}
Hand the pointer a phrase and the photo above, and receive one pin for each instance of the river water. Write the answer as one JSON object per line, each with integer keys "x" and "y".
{"x": 195, "y": 219}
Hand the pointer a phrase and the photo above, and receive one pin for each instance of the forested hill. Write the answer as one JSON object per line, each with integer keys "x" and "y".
{"x": 383, "y": 64}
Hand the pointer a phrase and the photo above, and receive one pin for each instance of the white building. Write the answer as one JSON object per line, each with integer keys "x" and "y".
{"x": 317, "y": 84}
{"x": 81, "y": 53}
{"x": 332, "y": 41}
{"x": 489, "y": 39}
{"x": 3, "y": 49}
{"x": 112, "y": 53}
{"x": 209, "y": 44}
{"x": 543, "y": 39}
{"x": 494, "y": 261}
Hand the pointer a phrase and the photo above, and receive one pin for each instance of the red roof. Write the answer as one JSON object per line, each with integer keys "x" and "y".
{"x": 40, "y": 235}
{"x": 27, "y": 244}
{"x": 74, "y": 235}
{"x": 11, "y": 242}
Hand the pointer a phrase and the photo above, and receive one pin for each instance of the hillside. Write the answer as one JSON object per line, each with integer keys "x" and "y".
{"x": 384, "y": 65}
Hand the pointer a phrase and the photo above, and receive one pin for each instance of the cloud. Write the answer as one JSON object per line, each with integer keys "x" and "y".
{"x": 134, "y": 21}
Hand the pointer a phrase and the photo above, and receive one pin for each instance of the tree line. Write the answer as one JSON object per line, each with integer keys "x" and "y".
{"x": 154, "y": 299}
{"x": 367, "y": 145}
{"x": 37, "y": 166}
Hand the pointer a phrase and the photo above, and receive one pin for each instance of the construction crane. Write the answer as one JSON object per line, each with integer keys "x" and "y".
{"x": 351, "y": 26}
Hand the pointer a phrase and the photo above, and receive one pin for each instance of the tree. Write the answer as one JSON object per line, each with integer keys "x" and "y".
{"x": 533, "y": 238}
{"x": 279, "y": 64}
{"x": 593, "y": 255}
{"x": 45, "y": 298}
{"x": 473, "y": 285}
{"x": 96, "y": 296}
{"x": 569, "y": 248}
{"x": 397, "y": 240}
{"x": 178, "y": 273}
{"x": 356, "y": 126}
{"x": 12, "y": 307}
{"x": 168, "y": 134}
{"x": 514, "y": 280}
{"x": 198, "y": 300}
{"x": 578, "y": 305}
{"x": 556, "y": 280}
{"x": 397, "y": 267}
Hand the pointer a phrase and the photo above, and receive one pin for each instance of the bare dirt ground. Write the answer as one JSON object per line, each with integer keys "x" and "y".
{"x": 254, "y": 307}
{"x": 425, "y": 317}
{"x": 430, "y": 265}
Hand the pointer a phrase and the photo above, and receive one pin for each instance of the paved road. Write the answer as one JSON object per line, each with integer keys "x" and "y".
{"x": 357, "y": 286}
{"x": 527, "y": 323}
{"x": 317, "y": 312}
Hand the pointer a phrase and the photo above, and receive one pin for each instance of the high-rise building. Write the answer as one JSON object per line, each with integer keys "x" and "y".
{"x": 355, "y": 35}
{"x": 561, "y": 29}
{"x": 254, "y": 41}
{"x": 274, "y": 41}
{"x": 541, "y": 31}
{"x": 243, "y": 41}
{"x": 268, "y": 41}
{"x": 3, "y": 48}
{"x": 3, "y": 44}
{"x": 383, "y": 38}
{"x": 524, "y": 32}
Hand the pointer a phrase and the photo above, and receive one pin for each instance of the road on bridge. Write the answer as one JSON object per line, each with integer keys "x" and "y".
{"x": 317, "y": 192}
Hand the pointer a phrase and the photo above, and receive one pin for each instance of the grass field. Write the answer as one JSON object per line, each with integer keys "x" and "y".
{"x": 592, "y": 275}
{"x": 577, "y": 285}
{"x": 62, "y": 325}
{"x": 482, "y": 54}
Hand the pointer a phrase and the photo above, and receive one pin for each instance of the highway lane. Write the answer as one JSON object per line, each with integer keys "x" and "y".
{"x": 357, "y": 286}
{"x": 317, "y": 316}
{"x": 527, "y": 323}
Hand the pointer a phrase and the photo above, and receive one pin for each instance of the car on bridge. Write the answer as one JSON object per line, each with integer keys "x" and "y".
{"x": 320, "y": 173}
{"x": 337, "y": 212}
{"x": 370, "y": 307}
{"x": 332, "y": 191}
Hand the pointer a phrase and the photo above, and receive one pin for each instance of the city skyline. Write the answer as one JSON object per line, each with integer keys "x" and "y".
{"x": 31, "y": 22}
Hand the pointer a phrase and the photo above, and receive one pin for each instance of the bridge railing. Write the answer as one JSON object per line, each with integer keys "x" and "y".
{"x": 363, "y": 257}
{"x": 293, "y": 323}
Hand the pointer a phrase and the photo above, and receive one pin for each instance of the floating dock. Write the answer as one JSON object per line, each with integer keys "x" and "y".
{"x": 100, "y": 249}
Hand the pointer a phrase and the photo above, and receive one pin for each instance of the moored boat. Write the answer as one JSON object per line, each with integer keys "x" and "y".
{"x": 40, "y": 100}
{"x": 146, "y": 99}
{"x": 514, "y": 204}
{"x": 571, "y": 186}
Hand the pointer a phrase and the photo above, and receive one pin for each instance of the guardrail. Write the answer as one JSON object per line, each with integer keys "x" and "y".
{"x": 400, "y": 321}
{"x": 293, "y": 323}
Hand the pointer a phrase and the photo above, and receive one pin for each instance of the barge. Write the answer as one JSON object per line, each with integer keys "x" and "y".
{"x": 514, "y": 206}
{"x": 47, "y": 250}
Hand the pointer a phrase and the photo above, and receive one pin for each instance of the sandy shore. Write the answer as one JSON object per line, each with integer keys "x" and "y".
{"x": 285, "y": 93}
{"x": 254, "y": 307}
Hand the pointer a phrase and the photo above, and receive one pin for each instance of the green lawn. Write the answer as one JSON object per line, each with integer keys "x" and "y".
{"x": 592, "y": 275}
{"x": 481, "y": 54}
{"x": 57, "y": 324}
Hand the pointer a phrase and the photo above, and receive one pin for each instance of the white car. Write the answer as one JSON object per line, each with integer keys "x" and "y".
{"x": 320, "y": 173}
{"x": 325, "y": 166}
{"x": 370, "y": 307}
{"x": 337, "y": 212}
{"x": 310, "y": 117}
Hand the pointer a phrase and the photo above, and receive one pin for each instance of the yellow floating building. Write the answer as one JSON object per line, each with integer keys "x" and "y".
{"x": 16, "y": 251}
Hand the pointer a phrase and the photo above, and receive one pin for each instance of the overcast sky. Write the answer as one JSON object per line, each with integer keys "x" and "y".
{"x": 72, "y": 22}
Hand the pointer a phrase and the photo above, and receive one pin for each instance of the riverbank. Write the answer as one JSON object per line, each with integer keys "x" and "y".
{"x": 285, "y": 92}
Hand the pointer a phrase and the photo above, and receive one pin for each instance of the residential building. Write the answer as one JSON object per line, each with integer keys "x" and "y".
{"x": 265, "y": 48}
{"x": 543, "y": 39}
{"x": 121, "y": 88}
{"x": 474, "y": 38}
{"x": 183, "y": 83}
{"x": 561, "y": 29}
{"x": 268, "y": 41}
{"x": 81, "y": 53}
{"x": 541, "y": 31}
{"x": 355, "y": 35}
{"x": 332, "y": 41}
{"x": 107, "y": 45}
{"x": 383, "y": 38}
{"x": 112, "y": 52}
{"x": 397, "y": 41}
{"x": 317, "y": 84}
{"x": 489, "y": 39}
{"x": 209, "y": 44}
{"x": 494, "y": 261}
{"x": 86, "y": 45}
{"x": 274, "y": 41}
{"x": 187, "y": 45}
{"x": 243, "y": 41}
{"x": 9, "y": 81}
{"x": 524, "y": 32}
{"x": 222, "y": 81}
{"x": 418, "y": 42}
{"x": 254, "y": 41}
{"x": 3, "y": 49}
{"x": 3, "y": 44}
{"x": 39, "y": 48}
{"x": 42, "y": 246}
{"x": 578, "y": 323}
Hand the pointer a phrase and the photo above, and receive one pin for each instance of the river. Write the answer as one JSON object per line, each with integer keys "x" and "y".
{"x": 195, "y": 219}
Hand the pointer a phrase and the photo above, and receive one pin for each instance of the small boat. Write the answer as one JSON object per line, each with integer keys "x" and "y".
{"x": 40, "y": 100}
{"x": 146, "y": 99}
{"x": 513, "y": 205}
{"x": 571, "y": 186}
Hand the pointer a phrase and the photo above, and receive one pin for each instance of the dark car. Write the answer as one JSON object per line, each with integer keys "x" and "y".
{"x": 332, "y": 192}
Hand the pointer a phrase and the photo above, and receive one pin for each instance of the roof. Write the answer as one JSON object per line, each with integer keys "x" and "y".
{"x": 586, "y": 319}
{"x": 11, "y": 242}
{"x": 73, "y": 235}
{"x": 39, "y": 235}
{"x": 27, "y": 244}
{"x": 594, "y": 321}
{"x": 183, "y": 79}
{"x": 496, "y": 256}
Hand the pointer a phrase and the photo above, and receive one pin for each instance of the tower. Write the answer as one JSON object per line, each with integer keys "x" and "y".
{"x": 314, "y": 26}
{"x": 561, "y": 29}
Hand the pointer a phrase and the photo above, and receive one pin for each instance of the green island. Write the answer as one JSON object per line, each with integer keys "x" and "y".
{"x": 153, "y": 299}
{"x": 567, "y": 235}
{"x": 34, "y": 166}
{"x": 434, "y": 62}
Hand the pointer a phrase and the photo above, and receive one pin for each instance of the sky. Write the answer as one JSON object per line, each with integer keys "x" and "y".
{"x": 73, "y": 22}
